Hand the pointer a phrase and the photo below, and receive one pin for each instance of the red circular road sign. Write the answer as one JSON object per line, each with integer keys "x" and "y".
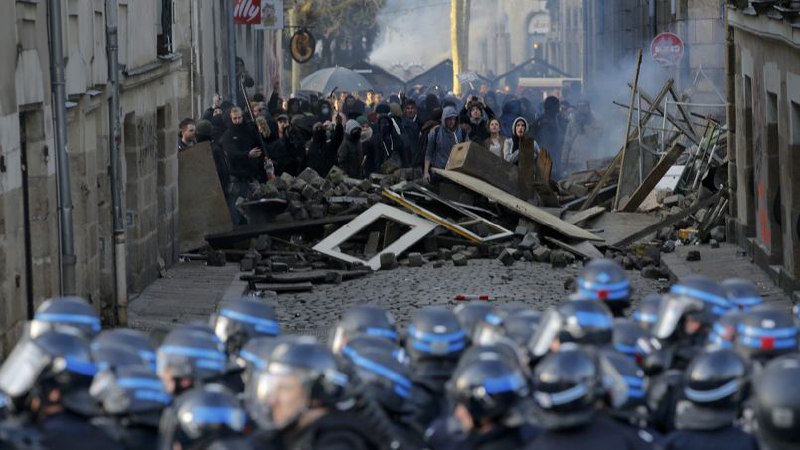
{"x": 667, "y": 49}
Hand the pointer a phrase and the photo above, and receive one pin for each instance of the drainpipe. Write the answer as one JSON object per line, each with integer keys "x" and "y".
{"x": 231, "y": 30}
{"x": 730, "y": 112}
{"x": 57, "y": 84}
{"x": 120, "y": 269}
{"x": 653, "y": 18}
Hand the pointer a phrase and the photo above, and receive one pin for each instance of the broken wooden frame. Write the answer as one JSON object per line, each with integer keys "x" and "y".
{"x": 398, "y": 194}
{"x": 419, "y": 228}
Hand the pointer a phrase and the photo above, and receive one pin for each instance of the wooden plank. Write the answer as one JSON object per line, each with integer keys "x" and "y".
{"x": 603, "y": 195}
{"x": 279, "y": 288}
{"x": 582, "y": 249}
{"x": 202, "y": 205}
{"x": 667, "y": 222}
{"x": 473, "y": 159}
{"x": 656, "y": 104}
{"x": 313, "y": 276}
{"x": 627, "y": 157}
{"x": 528, "y": 172}
{"x": 634, "y": 169}
{"x": 244, "y": 233}
{"x": 520, "y": 207}
{"x": 585, "y": 215}
{"x": 653, "y": 178}
{"x": 541, "y": 182}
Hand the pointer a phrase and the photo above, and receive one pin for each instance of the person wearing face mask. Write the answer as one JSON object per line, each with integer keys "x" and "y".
{"x": 351, "y": 155}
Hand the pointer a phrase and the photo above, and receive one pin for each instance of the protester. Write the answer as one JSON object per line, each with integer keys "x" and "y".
{"x": 351, "y": 155}
{"x": 186, "y": 136}
{"x": 549, "y": 129}
{"x": 242, "y": 148}
{"x": 441, "y": 140}
{"x": 495, "y": 143}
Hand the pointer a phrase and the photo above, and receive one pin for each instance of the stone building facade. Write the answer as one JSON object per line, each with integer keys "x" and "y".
{"x": 764, "y": 138}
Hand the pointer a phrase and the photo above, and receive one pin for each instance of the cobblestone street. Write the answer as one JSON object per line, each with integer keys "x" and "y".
{"x": 404, "y": 290}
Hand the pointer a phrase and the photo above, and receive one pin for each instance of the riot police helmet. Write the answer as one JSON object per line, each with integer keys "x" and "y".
{"x": 585, "y": 322}
{"x": 240, "y": 320}
{"x": 127, "y": 340}
{"x": 705, "y": 290}
{"x": 190, "y": 353}
{"x": 765, "y": 332}
{"x": 202, "y": 416}
{"x": 471, "y": 314}
{"x": 742, "y": 293}
{"x": 360, "y": 320}
{"x": 133, "y": 392}
{"x": 628, "y": 337}
{"x": 565, "y": 387}
{"x": 65, "y": 314}
{"x": 435, "y": 339}
{"x": 646, "y": 313}
{"x": 776, "y": 402}
{"x": 604, "y": 280}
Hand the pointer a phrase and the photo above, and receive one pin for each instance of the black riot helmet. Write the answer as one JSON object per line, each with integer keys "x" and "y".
{"x": 132, "y": 392}
{"x": 521, "y": 326}
{"x": 369, "y": 343}
{"x": 742, "y": 293}
{"x": 306, "y": 375}
{"x": 256, "y": 353}
{"x": 624, "y": 386}
{"x": 489, "y": 387}
{"x": 202, "y": 416}
{"x": 604, "y": 280}
{"x": 705, "y": 290}
{"x": 66, "y": 314}
{"x": 109, "y": 341}
{"x": 363, "y": 320}
{"x": 628, "y": 337}
{"x": 471, "y": 314}
{"x": 580, "y": 321}
{"x": 777, "y": 403}
{"x": 647, "y": 312}
{"x": 765, "y": 332}
{"x": 380, "y": 375}
{"x": 53, "y": 360}
{"x": 565, "y": 387}
{"x": 190, "y": 353}
{"x": 240, "y": 320}
{"x": 435, "y": 340}
{"x": 713, "y": 388}
{"x": 723, "y": 332}
{"x": 675, "y": 311}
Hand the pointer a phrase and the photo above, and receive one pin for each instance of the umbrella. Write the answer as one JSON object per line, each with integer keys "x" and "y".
{"x": 339, "y": 78}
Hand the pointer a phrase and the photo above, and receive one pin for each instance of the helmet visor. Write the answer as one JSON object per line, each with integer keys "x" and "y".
{"x": 486, "y": 334}
{"x": 542, "y": 341}
{"x": 22, "y": 368}
{"x": 670, "y": 314}
{"x": 275, "y": 401}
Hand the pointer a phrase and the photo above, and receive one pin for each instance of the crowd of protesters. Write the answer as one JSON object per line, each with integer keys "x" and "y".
{"x": 262, "y": 138}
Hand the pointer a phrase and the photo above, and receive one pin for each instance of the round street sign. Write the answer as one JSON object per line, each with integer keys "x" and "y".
{"x": 667, "y": 49}
{"x": 302, "y": 46}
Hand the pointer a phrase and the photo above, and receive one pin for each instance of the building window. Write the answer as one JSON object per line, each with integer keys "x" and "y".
{"x": 164, "y": 27}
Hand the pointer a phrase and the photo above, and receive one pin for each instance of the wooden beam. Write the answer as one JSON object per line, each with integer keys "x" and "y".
{"x": 522, "y": 208}
{"x": 475, "y": 160}
{"x": 585, "y": 215}
{"x": 667, "y": 222}
{"x": 670, "y": 118}
{"x": 653, "y": 178}
{"x": 626, "y": 157}
{"x": 582, "y": 249}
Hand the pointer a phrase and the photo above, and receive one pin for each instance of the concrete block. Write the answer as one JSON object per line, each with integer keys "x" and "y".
{"x": 693, "y": 255}
{"x": 216, "y": 258}
{"x": 316, "y": 211}
{"x": 541, "y": 254}
{"x": 298, "y": 185}
{"x": 560, "y": 259}
{"x": 308, "y": 175}
{"x": 507, "y": 257}
{"x": 460, "y": 260}
{"x": 246, "y": 265}
{"x": 654, "y": 273}
{"x": 521, "y": 231}
{"x": 438, "y": 264}
{"x": 388, "y": 261}
{"x": 673, "y": 200}
{"x": 445, "y": 254}
{"x": 529, "y": 242}
{"x": 415, "y": 260}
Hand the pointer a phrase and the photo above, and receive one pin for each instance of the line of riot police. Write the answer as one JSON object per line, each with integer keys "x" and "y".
{"x": 706, "y": 365}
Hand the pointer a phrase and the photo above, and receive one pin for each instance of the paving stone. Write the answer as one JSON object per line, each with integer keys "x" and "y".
{"x": 460, "y": 260}
{"x": 445, "y": 254}
{"x": 246, "y": 265}
{"x": 438, "y": 264}
{"x": 673, "y": 200}
{"x": 388, "y": 261}
{"x": 655, "y": 273}
{"x": 693, "y": 255}
{"x": 560, "y": 259}
{"x": 541, "y": 254}
{"x": 713, "y": 243}
{"x": 415, "y": 260}
{"x": 529, "y": 242}
{"x": 507, "y": 257}
{"x": 216, "y": 258}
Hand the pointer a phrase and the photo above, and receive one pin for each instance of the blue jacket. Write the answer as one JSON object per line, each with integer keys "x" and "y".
{"x": 441, "y": 140}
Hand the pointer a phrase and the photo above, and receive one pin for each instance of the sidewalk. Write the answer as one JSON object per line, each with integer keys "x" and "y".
{"x": 189, "y": 293}
{"x": 721, "y": 263}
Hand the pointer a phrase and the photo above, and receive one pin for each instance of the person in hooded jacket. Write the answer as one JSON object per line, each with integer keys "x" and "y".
{"x": 387, "y": 145}
{"x": 549, "y": 130}
{"x": 512, "y": 145}
{"x": 323, "y": 147}
{"x": 441, "y": 140}
{"x": 411, "y": 132}
{"x": 350, "y": 156}
{"x": 512, "y": 110}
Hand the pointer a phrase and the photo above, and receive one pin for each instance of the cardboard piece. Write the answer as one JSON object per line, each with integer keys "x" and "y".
{"x": 202, "y": 207}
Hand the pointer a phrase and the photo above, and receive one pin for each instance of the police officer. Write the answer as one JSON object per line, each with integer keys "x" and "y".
{"x": 682, "y": 329}
{"x": 777, "y": 403}
{"x": 189, "y": 356}
{"x": 742, "y": 293}
{"x": 583, "y": 322}
{"x": 383, "y": 387}
{"x": 201, "y": 418}
{"x": 647, "y": 312}
{"x": 66, "y": 314}
{"x": 240, "y": 320}
{"x": 628, "y": 338}
{"x": 705, "y": 290}
{"x": 49, "y": 376}
{"x": 363, "y": 320}
{"x": 297, "y": 393}
{"x": 105, "y": 344}
{"x": 713, "y": 389}
{"x": 434, "y": 342}
{"x": 566, "y": 385}
{"x": 471, "y": 314}
{"x": 132, "y": 399}
{"x": 489, "y": 393}
{"x": 723, "y": 332}
{"x": 766, "y": 332}
{"x": 604, "y": 280}
{"x": 623, "y": 387}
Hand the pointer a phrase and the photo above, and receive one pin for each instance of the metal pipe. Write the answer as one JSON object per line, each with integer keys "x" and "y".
{"x": 65, "y": 207}
{"x": 653, "y": 18}
{"x": 231, "y": 31}
{"x": 120, "y": 262}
